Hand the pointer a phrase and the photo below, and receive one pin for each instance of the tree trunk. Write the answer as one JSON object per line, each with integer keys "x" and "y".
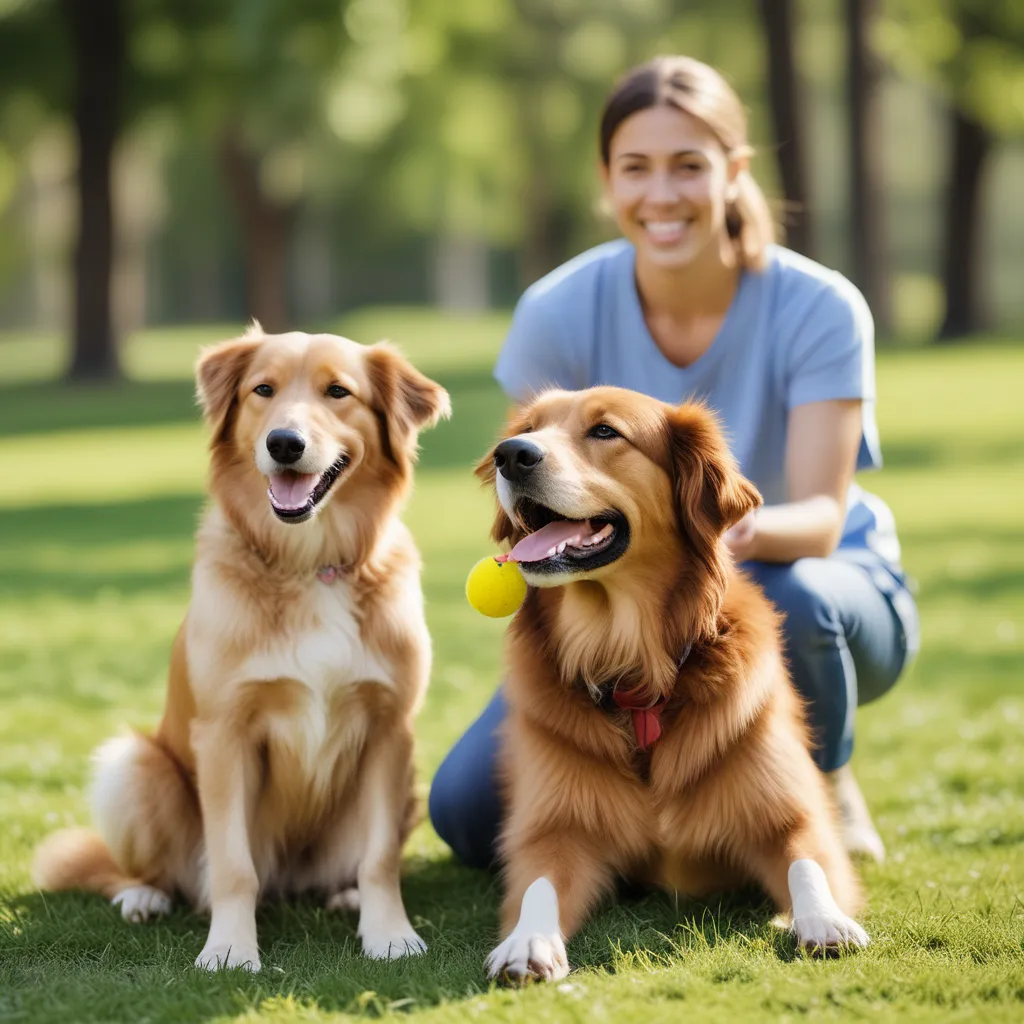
{"x": 266, "y": 228}
{"x": 549, "y": 219}
{"x": 547, "y": 231}
{"x": 461, "y": 273}
{"x": 97, "y": 33}
{"x": 787, "y": 115}
{"x": 867, "y": 213}
{"x": 961, "y": 275}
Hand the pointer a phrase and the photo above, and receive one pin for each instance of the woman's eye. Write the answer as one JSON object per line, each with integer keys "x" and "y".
{"x": 264, "y": 390}
{"x": 337, "y": 391}
{"x": 603, "y": 432}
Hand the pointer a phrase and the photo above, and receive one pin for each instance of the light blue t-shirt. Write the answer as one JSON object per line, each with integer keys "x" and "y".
{"x": 794, "y": 333}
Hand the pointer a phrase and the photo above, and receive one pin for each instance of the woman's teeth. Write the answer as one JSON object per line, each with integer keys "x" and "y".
{"x": 664, "y": 230}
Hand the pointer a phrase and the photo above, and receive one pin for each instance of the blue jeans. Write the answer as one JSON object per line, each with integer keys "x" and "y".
{"x": 850, "y": 627}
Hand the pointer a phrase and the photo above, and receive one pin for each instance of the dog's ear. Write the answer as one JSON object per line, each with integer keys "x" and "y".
{"x": 710, "y": 496}
{"x": 404, "y": 400}
{"x": 711, "y": 493}
{"x": 503, "y": 528}
{"x": 219, "y": 371}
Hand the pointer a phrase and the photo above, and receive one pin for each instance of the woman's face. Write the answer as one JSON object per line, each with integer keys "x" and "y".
{"x": 668, "y": 181}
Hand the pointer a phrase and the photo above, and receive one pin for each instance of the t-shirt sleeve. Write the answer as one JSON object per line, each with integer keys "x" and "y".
{"x": 537, "y": 353}
{"x": 832, "y": 353}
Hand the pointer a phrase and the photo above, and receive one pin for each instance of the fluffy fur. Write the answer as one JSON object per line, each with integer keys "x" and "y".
{"x": 729, "y": 794}
{"x": 283, "y": 762}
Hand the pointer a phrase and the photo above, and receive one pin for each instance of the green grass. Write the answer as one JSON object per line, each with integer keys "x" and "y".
{"x": 101, "y": 490}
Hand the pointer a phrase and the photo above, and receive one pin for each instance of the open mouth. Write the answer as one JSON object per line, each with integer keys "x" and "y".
{"x": 294, "y": 497}
{"x": 556, "y": 544}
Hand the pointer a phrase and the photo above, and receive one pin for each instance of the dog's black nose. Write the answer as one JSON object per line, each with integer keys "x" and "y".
{"x": 286, "y": 446}
{"x": 516, "y": 458}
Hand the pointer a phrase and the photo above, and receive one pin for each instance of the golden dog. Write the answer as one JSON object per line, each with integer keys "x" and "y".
{"x": 283, "y": 762}
{"x": 652, "y": 731}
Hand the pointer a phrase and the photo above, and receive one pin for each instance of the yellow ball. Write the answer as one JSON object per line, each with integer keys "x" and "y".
{"x": 495, "y": 588}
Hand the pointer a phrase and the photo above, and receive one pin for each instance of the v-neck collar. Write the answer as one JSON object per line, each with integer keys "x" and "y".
{"x": 720, "y": 341}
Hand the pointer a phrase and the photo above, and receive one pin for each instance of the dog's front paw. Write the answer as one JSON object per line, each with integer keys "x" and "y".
{"x": 523, "y": 956}
{"x": 391, "y": 947}
{"x": 141, "y": 902}
{"x": 221, "y": 956}
{"x": 825, "y": 933}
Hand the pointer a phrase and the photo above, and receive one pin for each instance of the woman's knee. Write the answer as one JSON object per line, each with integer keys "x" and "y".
{"x": 801, "y": 592}
{"x": 462, "y": 808}
{"x": 464, "y": 802}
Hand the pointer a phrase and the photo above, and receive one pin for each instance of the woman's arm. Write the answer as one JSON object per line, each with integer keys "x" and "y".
{"x": 821, "y": 455}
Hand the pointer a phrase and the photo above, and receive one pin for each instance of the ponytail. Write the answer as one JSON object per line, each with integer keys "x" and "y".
{"x": 749, "y": 221}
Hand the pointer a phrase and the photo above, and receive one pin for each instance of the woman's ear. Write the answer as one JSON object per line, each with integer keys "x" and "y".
{"x": 405, "y": 400}
{"x": 219, "y": 371}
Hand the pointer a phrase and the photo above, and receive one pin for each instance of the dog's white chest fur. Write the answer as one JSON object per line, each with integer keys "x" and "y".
{"x": 322, "y": 647}
{"x": 328, "y": 653}
{"x": 323, "y": 651}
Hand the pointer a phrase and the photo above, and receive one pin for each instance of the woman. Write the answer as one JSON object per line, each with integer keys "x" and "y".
{"x": 696, "y": 301}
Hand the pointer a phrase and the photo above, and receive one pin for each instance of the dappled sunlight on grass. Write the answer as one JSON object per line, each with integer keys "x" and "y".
{"x": 96, "y": 526}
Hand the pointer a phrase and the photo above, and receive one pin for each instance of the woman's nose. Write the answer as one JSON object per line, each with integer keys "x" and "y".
{"x": 661, "y": 188}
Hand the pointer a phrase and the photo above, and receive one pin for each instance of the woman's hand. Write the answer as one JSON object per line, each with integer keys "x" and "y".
{"x": 740, "y": 536}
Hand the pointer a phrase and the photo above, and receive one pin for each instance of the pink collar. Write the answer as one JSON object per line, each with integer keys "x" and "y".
{"x": 330, "y": 573}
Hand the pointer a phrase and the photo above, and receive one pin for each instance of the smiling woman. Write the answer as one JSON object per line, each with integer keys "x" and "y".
{"x": 697, "y": 301}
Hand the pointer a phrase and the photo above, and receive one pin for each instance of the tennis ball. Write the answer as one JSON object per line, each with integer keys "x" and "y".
{"x": 495, "y": 589}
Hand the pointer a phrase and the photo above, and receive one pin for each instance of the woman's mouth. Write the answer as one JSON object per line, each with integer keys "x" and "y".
{"x": 665, "y": 232}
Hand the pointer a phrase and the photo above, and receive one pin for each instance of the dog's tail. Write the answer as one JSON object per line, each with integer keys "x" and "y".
{"x": 76, "y": 858}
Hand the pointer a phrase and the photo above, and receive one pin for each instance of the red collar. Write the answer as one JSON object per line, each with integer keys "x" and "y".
{"x": 646, "y": 717}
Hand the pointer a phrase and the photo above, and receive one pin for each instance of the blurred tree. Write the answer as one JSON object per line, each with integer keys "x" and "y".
{"x": 97, "y": 33}
{"x": 969, "y": 149}
{"x": 500, "y": 142}
{"x": 788, "y": 118}
{"x": 869, "y": 261}
{"x": 257, "y": 78}
{"x": 39, "y": 42}
{"x": 971, "y": 52}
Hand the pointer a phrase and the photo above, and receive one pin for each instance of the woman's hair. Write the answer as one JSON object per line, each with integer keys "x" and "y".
{"x": 700, "y": 91}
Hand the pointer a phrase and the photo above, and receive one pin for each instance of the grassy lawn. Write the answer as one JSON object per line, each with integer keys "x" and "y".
{"x": 101, "y": 491}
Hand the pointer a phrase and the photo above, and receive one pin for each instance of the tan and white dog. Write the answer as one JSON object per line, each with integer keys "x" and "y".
{"x": 283, "y": 762}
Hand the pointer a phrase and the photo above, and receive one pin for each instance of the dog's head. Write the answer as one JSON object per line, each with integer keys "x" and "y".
{"x": 302, "y": 417}
{"x": 591, "y": 483}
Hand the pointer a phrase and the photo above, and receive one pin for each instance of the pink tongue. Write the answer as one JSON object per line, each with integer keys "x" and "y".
{"x": 536, "y": 546}
{"x": 292, "y": 490}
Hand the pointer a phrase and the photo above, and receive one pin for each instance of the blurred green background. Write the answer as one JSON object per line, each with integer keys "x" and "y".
{"x": 296, "y": 160}
{"x": 403, "y": 168}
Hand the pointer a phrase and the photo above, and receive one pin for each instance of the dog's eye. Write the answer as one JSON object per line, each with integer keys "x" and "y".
{"x": 603, "y": 432}
{"x": 264, "y": 390}
{"x": 337, "y": 391}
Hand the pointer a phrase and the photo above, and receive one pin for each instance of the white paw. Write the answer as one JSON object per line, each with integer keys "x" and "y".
{"x": 216, "y": 958}
{"x": 141, "y": 902}
{"x": 344, "y": 900}
{"x": 523, "y": 955}
{"x": 825, "y": 932}
{"x": 391, "y": 947}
